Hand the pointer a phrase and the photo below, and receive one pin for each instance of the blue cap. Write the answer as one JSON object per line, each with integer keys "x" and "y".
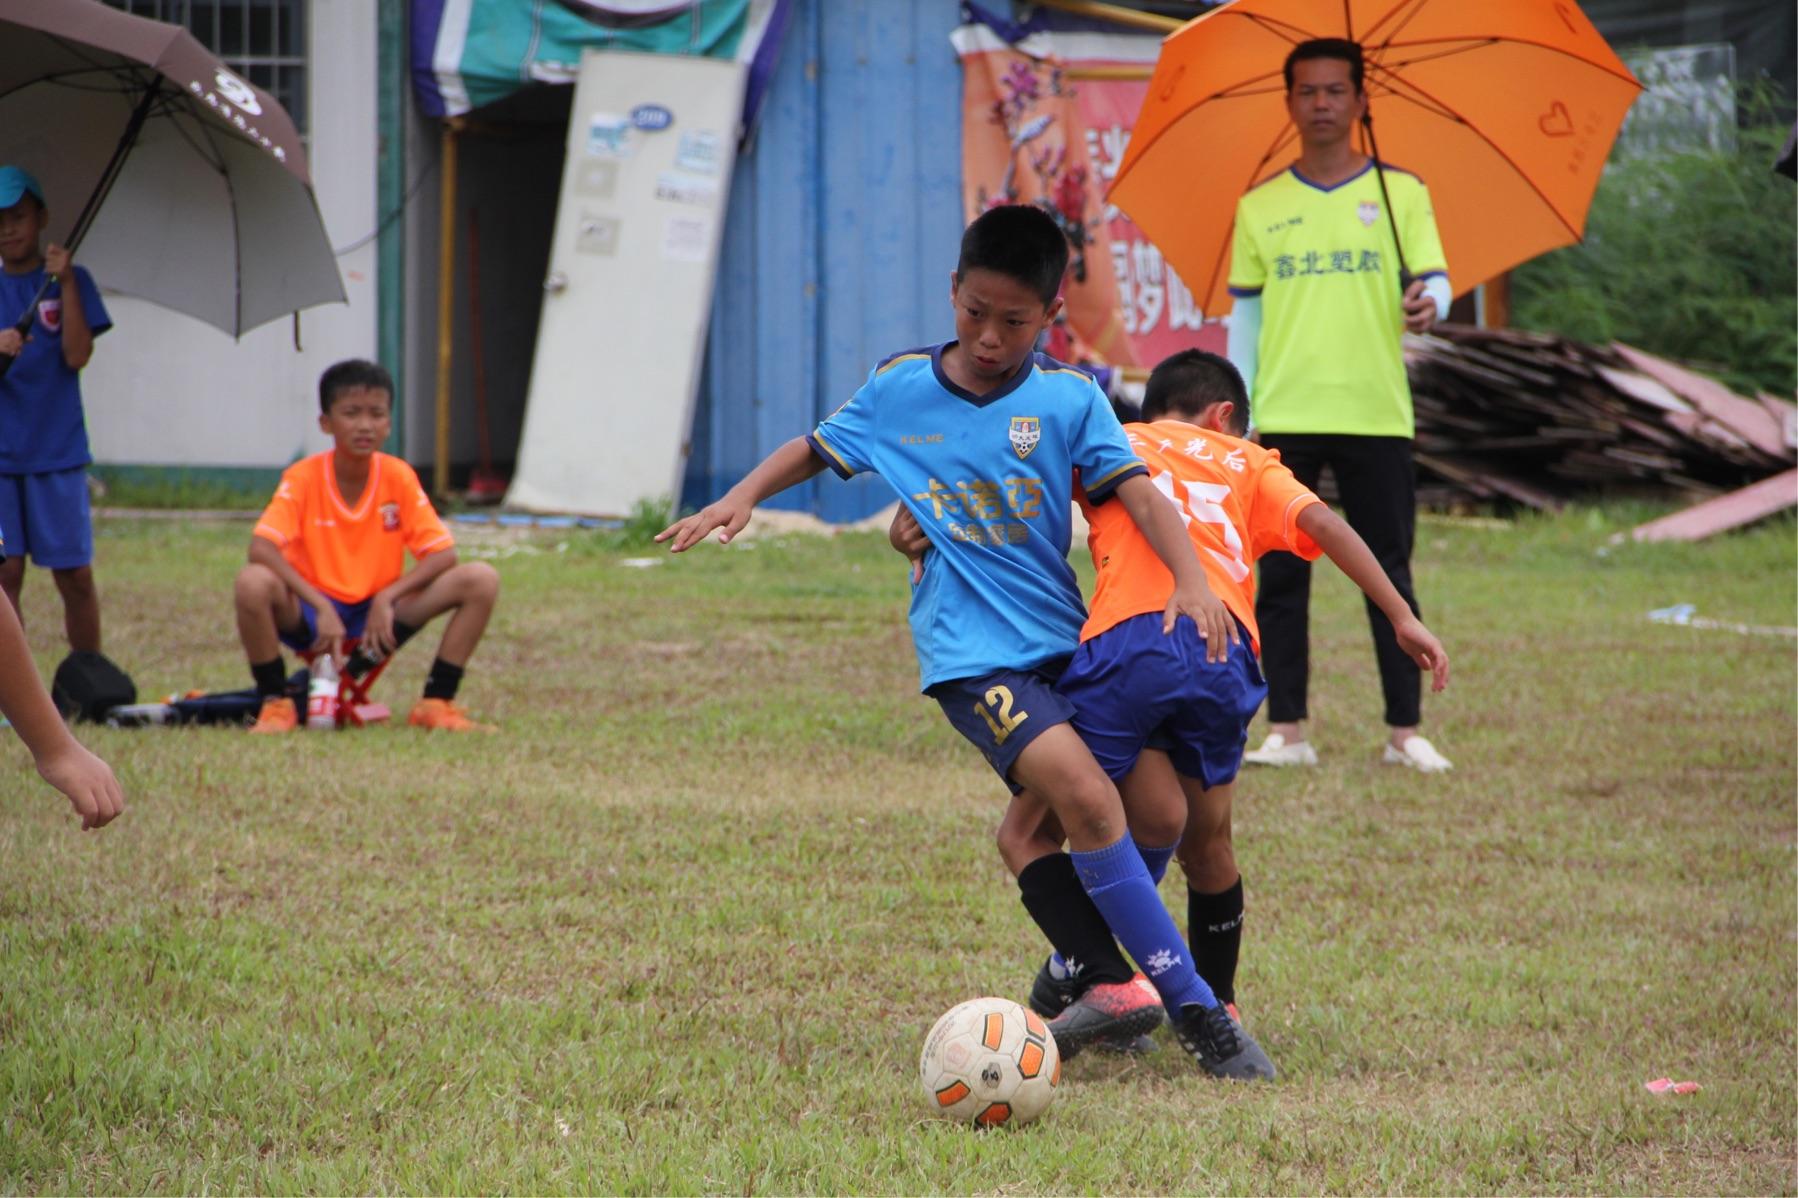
{"x": 14, "y": 183}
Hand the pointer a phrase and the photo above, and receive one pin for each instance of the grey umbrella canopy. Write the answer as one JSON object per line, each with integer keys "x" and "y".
{"x": 183, "y": 184}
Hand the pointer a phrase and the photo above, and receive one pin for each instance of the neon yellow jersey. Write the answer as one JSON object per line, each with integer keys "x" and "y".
{"x": 1322, "y": 260}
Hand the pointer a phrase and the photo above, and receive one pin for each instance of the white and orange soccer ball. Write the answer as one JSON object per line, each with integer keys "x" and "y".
{"x": 991, "y": 1063}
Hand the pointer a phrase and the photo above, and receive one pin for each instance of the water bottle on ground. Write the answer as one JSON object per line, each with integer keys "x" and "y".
{"x": 321, "y": 695}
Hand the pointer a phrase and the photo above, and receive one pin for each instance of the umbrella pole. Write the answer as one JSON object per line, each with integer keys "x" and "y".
{"x": 446, "y": 298}
{"x": 1373, "y": 147}
{"x": 85, "y": 220}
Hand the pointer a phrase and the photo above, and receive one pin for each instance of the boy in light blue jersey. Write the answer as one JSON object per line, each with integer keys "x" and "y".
{"x": 982, "y": 438}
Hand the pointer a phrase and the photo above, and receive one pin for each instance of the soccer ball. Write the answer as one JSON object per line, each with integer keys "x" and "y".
{"x": 989, "y": 1062}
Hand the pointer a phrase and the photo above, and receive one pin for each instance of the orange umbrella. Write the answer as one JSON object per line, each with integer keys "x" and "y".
{"x": 1505, "y": 108}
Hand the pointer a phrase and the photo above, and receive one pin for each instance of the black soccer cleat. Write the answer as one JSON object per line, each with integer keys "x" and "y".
{"x": 1220, "y": 1045}
{"x": 1107, "y": 1015}
{"x": 1054, "y": 991}
{"x": 1050, "y": 995}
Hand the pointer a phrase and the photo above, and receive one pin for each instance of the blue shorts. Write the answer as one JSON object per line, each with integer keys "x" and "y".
{"x": 353, "y": 615}
{"x": 1134, "y": 688}
{"x": 45, "y": 517}
{"x": 1003, "y": 712}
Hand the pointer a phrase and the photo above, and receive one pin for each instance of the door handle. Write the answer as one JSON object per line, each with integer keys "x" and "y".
{"x": 556, "y": 283}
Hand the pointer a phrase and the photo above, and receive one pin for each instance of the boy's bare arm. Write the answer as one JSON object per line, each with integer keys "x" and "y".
{"x": 331, "y": 632}
{"x": 1344, "y": 546}
{"x": 77, "y": 337}
{"x": 787, "y": 466}
{"x": 264, "y": 552}
{"x": 1161, "y": 526}
{"x": 62, "y": 760}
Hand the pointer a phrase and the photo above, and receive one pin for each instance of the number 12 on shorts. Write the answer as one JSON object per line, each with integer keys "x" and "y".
{"x": 1001, "y": 719}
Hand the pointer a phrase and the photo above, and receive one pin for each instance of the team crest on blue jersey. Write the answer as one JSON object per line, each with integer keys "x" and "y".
{"x": 1026, "y": 431}
{"x": 1369, "y": 212}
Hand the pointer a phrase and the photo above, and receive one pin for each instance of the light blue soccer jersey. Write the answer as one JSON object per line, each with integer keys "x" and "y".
{"x": 990, "y": 479}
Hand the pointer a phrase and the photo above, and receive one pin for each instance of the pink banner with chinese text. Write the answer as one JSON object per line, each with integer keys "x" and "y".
{"x": 1052, "y": 131}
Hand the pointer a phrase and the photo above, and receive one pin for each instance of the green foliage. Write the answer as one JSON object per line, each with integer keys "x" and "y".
{"x": 636, "y": 531}
{"x": 1691, "y": 255}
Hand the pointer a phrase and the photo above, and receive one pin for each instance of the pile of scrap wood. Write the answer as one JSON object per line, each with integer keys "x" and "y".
{"x": 1508, "y": 417}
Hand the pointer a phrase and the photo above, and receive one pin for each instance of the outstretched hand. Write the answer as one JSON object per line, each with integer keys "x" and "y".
{"x": 730, "y": 514}
{"x": 1422, "y": 647}
{"x": 1216, "y": 625}
{"x": 87, "y": 781}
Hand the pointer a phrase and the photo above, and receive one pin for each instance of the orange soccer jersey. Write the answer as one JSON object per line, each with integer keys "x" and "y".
{"x": 1238, "y": 502}
{"x": 350, "y": 553}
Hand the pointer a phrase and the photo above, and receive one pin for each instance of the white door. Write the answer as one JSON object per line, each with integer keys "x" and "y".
{"x": 651, "y": 142}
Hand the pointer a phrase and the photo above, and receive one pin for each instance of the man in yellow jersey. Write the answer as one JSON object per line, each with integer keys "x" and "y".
{"x": 1332, "y": 261}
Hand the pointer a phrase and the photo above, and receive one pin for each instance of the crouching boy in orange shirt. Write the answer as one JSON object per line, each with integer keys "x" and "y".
{"x": 327, "y": 562}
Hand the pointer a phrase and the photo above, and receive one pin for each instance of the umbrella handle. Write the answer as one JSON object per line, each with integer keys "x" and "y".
{"x": 23, "y": 325}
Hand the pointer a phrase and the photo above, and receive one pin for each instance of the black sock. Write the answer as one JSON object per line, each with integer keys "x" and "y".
{"x": 271, "y": 677}
{"x": 360, "y": 663}
{"x": 1214, "y": 925}
{"x": 1053, "y": 895}
{"x": 443, "y": 681}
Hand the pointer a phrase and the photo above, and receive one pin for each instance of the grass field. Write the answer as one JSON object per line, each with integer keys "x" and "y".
{"x": 682, "y": 925}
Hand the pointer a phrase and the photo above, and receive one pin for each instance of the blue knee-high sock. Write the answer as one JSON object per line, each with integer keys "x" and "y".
{"x": 1118, "y": 883}
{"x": 1155, "y": 860}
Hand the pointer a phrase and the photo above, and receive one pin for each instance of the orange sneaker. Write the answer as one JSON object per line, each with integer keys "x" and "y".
{"x": 277, "y": 715}
{"x": 444, "y": 715}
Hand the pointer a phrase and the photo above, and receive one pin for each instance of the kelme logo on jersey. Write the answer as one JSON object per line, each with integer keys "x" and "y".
{"x": 1026, "y": 431}
{"x": 1369, "y": 212}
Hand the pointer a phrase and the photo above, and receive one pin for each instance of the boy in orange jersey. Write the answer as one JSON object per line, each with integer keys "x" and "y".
{"x": 327, "y": 562}
{"x": 1165, "y": 723}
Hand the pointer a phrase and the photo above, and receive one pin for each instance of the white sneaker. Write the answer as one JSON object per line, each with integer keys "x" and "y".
{"x": 1419, "y": 754}
{"x": 1275, "y": 751}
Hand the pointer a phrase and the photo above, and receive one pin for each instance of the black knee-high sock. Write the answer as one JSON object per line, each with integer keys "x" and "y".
{"x": 1053, "y": 895}
{"x": 271, "y": 677}
{"x": 1214, "y": 925}
{"x": 443, "y": 680}
{"x": 360, "y": 663}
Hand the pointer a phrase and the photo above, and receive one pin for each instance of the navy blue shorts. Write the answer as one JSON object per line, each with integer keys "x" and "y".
{"x": 353, "y": 615}
{"x": 1003, "y": 712}
{"x": 1134, "y": 688}
{"x": 46, "y": 518}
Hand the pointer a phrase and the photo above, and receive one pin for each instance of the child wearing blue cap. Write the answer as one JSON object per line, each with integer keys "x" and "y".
{"x": 43, "y": 433}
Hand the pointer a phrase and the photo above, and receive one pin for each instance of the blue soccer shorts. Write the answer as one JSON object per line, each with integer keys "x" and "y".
{"x": 1002, "y": 712}
{"x": 1135, "y": 688}
{"x": 353, "y": 615}
{"x": 46, "y": 518}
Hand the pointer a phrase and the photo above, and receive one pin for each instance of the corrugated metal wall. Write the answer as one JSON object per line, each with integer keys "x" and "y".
{"x": 843, "y": 226}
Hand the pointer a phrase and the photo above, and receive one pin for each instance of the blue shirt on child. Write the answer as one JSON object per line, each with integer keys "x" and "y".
{"x": 42, "y": 427}
{"x": 990, "y": 480}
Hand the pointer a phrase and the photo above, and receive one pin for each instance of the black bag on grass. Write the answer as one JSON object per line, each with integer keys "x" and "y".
{"x": 88, "y": 685}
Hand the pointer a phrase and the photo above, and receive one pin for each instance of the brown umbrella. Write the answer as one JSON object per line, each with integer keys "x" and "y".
{"x": 195, "y": 184}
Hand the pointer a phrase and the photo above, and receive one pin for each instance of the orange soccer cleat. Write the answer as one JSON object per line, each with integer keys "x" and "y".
{"x": 277, "y": 715}
{"x": 443, "y": 715}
